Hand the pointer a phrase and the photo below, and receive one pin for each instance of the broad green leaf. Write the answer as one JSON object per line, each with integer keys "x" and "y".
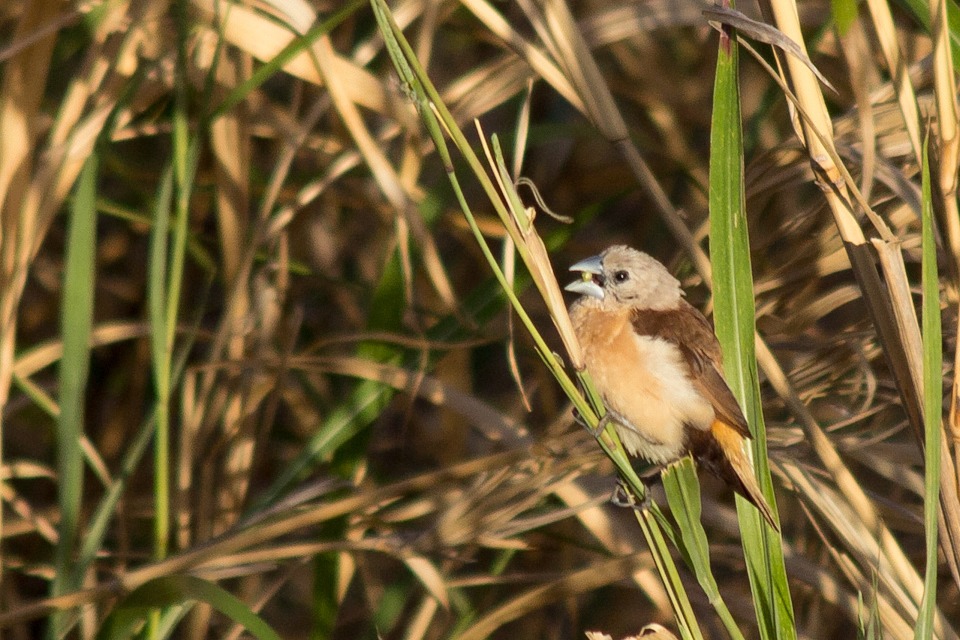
{"x": 132, "y": 612}
{"x": 76, "y": 323}
{"x": 932, "y": 403}
{"x": 735, "y": 326}
{"x": 683, "y": 492}
{"x": 844, "y": 13}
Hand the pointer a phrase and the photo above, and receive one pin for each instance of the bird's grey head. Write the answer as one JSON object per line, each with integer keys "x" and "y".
{"x": 624, "y": 276}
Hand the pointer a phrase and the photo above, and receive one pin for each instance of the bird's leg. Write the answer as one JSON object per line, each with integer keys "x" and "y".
{"x": 579, "y": 418}
{"x": 623, "y": 498}
{"x": 602, "y": 425}
{"x": 594, "y": 431}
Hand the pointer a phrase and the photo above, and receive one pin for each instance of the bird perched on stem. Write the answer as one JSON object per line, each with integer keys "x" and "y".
{"x": 656, "y": 363}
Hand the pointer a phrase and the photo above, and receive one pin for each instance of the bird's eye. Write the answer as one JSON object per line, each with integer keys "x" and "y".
{"x": 621, "y": 276}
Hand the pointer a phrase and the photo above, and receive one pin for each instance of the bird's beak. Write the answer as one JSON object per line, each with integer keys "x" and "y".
{"x": 591, "y": 278}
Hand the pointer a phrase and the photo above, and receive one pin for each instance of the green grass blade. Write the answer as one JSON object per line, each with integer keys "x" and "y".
{"x": 156, "y": 294}
{"x": 299, "y": 44}
{"x": 844, "y": 14}
{"x": 76, "y": 322}
{"x": 735, "y": 326}
{"x": 101, "y": 517}
{"x": 106, "y": 509}
{"x": 869, "y": 626}
{"x": 367, "y": 399}
{"x": 932, "y": 404}
{"x": 921, "y": 13}
{"x": 683, "y": 492}
{"x": 166, "y": 275}
{"x": 131, "y": 613}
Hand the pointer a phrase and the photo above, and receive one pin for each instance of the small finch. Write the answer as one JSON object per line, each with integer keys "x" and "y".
{"x": 656, "y": 363}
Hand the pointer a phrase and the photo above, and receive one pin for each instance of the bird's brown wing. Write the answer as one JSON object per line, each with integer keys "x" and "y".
{"x": 686, "y": 328}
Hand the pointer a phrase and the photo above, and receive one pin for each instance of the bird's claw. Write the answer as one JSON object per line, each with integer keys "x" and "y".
{"x": 578, "y": 418}
{"x": 594, "y": 431}
{"x": 622, "y": 497}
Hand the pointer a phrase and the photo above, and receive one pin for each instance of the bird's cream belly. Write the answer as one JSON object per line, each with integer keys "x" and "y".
{"x": 644, "y": 381}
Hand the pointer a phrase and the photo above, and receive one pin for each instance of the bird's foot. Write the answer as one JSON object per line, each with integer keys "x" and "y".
{"x": 622, "y": 497}
{"x": 594, "y": 431}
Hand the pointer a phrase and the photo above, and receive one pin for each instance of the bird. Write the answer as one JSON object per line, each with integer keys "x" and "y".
{"x": 657, "y": 365}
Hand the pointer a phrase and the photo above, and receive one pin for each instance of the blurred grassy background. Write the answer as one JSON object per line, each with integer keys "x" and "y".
{"x": 246, "y": 334}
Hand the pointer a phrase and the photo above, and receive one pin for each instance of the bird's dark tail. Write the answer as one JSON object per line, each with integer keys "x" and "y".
{"x": 720, "y": 451}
